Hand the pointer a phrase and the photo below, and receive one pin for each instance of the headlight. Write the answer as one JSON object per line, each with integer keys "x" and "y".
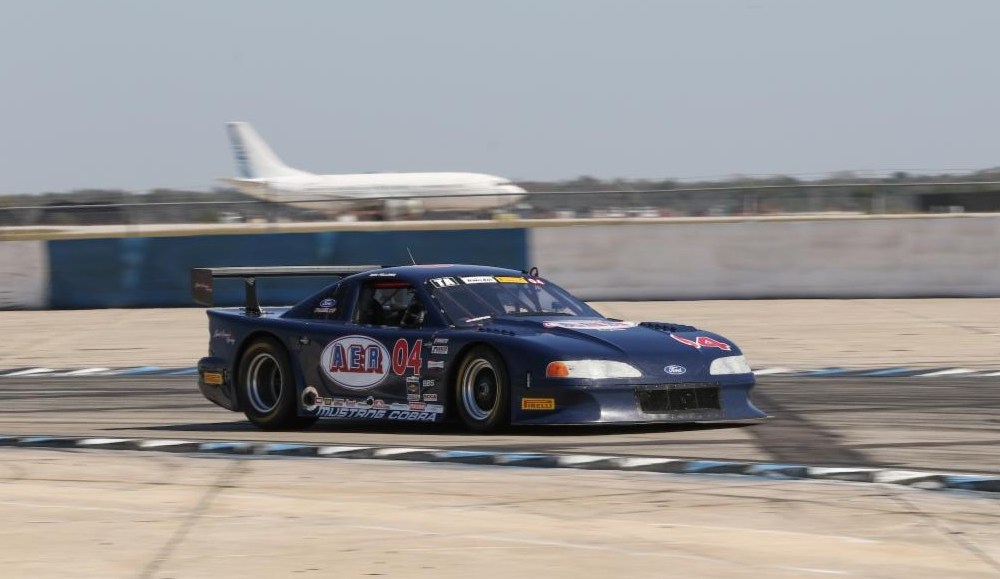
{"x": 730, "y": 365}
{"x": 593, "y": 369}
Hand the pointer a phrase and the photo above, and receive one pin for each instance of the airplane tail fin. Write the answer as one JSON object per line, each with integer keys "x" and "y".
{"x": 254, "y": 159}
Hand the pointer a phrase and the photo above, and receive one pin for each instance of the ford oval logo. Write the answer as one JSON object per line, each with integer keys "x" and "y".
{"x": 674, "y": 369}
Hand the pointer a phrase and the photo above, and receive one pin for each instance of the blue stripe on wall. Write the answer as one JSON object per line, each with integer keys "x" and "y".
{"x": 155, "y": 271}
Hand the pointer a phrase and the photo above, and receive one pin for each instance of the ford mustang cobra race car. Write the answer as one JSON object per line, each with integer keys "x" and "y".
{"x": 487, "y": 345}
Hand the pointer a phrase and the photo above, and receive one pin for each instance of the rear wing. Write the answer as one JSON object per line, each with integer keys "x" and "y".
{"x": 202, "y": 279}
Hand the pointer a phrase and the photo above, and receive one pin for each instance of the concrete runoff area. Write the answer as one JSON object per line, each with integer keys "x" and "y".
{"x": 772, "y": 333}
{"x": 129, "y": 514}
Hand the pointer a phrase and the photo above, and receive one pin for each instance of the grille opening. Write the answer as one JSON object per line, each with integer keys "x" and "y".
{"x": 679, "y": 399}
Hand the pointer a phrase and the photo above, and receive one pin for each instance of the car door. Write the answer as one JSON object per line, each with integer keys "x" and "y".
{"x": 370, "y": 363}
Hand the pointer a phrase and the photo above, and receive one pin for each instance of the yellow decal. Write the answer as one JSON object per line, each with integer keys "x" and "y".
{"x": 538, "y": 404}
{"x": 507, "y": 279}
{"x": 213, "y": 378}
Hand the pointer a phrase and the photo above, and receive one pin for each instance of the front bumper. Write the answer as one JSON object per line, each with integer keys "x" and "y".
{"x": 718, "y": 401}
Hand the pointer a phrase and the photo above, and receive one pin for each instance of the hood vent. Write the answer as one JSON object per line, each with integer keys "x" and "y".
{"x": 667, "y": 327}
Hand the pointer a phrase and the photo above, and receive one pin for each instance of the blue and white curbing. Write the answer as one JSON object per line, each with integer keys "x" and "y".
{"x": 912, "y": 478}
{"x": 894, "y": 372}
{"x": 42, "y": 372}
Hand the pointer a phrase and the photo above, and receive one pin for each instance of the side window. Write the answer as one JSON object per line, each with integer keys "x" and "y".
{"x": 389, "y": 303}
{"x": 330, "y": 306}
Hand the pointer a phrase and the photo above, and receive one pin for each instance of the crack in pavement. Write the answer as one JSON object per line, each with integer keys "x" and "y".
{"x": 226, "y": 479}
{"x": 949, "y": 533}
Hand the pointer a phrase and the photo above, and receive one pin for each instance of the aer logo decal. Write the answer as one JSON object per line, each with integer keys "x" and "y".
{"x": 360, "y": 362}
{"x": 355, "y": 362}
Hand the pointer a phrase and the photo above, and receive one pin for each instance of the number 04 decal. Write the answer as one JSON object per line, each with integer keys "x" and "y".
{"x": 403, "y": 357}
{"x": 701, "y": 342}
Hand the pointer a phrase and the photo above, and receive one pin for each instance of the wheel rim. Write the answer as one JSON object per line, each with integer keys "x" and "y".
{"x": 264, "y": 383}
{"x": 479, "y": 390}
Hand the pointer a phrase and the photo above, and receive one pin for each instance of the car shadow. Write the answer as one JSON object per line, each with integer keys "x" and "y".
{"x": 196, "y": 427}
{"x": 450, "y": 428}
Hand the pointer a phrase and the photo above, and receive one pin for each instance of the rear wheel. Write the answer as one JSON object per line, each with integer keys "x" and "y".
{"x": 482, "y": 390}
{"x": 266, "y": 388}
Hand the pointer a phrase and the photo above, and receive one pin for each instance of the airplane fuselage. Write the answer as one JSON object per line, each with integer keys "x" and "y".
{"x": 262, "y": 174}
{"x": 433, "y": 191}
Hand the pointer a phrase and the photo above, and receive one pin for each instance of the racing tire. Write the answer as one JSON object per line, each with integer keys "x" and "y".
{"x": 482, "y": 390}
{"x": 266, "y": 387}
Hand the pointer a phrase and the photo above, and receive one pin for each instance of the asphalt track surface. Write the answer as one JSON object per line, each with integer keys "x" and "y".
{"x": 910, "y": 423}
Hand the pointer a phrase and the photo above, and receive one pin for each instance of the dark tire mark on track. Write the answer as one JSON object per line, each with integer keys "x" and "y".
{"x": 790, "y": 437}
{"x": 926, "y": 423}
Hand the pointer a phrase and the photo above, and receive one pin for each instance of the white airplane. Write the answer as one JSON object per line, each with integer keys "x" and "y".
{"x": 262, "y": 174}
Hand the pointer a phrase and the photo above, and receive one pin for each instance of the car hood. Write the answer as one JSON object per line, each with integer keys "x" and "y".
{"x": 657, "y": 349}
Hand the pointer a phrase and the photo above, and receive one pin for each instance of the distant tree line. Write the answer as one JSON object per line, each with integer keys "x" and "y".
{"x": 583, "y": 196}
{"x": 899, "y": 192}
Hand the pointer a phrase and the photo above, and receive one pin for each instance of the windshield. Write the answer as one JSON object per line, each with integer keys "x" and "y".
{"x": 473, "y": 299}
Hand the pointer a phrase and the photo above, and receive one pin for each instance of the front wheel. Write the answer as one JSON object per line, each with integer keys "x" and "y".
{"x": 482, "y": 390}
{"x": 266, "y": 388}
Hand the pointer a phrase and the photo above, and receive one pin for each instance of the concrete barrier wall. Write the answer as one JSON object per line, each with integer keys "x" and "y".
{"x": 24, "y": 275}
{"x": 846, "y": 258}
{"x": 155, "y": 271}
{"x": 925, "y": 256}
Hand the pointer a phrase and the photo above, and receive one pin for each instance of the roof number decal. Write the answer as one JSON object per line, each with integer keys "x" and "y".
{"x": 443, "y": 282}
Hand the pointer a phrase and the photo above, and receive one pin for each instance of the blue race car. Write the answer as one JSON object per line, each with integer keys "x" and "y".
{"x": 491, "y": 346}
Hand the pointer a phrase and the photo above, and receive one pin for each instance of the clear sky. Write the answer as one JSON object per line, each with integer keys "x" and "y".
{"x": 133, "y": 94}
